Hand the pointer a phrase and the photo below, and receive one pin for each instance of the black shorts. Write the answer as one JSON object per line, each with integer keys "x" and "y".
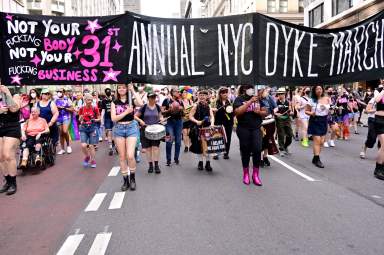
{"x": 318, "y": 125}
{"x": 146, "y": 143}
{"x": 379, "y": 125}
{"x": 10, "y": 130}
{"x": 187, "y": 124}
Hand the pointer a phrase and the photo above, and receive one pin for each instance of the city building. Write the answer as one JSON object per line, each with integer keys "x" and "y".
{"x": 195, "y": 9}
{"x": 339, "y": 13}
{"x": 288, "y": 10}
{"x": 74, "y": 7}
{"x": 14, "y": 6}
{"x": 132, "y": 6}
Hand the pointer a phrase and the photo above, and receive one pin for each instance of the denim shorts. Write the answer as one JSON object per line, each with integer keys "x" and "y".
{"x": 126, "y": 130}
{"x": 64, "y": 122}
{"x": 108, "y": 124}
{"x": 88, "y": 134}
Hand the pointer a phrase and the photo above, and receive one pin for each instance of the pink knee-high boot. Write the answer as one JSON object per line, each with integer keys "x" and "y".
{"x": 255, "y": 177}
{"x": 246, "y": 180}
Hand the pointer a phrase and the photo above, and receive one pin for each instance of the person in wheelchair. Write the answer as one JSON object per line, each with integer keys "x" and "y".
{"x": 33, "y": 132}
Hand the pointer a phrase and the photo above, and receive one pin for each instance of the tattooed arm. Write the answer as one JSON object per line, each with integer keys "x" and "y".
{"x": 13, "y": 102}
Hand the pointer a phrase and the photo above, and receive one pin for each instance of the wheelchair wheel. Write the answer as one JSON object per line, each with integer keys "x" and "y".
{"x": 52, "y": 154}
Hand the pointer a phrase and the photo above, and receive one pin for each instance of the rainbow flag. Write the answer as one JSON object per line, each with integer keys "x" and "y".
{"x": 74, "y": 129}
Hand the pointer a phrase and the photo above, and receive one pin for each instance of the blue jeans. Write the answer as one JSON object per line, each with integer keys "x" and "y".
{"x": 89, "y": 134}
{"x": 174, "y": 129}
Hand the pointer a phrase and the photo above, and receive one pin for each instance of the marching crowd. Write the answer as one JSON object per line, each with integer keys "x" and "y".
{"x": 134, "y": 119}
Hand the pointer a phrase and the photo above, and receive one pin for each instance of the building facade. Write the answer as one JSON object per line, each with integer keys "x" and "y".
{"x": 13, "y": 6}
{"x": 74, "y": 7}
{"x": 288, "y": 10}
{"x": 339, "y": 13}
{"x": 132, "y": 6}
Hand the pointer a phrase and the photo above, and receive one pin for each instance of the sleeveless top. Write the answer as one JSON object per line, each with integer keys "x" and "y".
{"x": 121, "y": 107}
{"x": 320, "y": 109}
{"x": 203, "y": 114}
{"x": 45, "y": 111}
{"x": 380, "y": 105}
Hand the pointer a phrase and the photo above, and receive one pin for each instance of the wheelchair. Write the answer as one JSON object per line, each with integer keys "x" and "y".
{"x": 47, "y": 154}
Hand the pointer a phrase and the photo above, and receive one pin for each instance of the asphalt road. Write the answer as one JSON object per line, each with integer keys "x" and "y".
{"x": 336, "y": 210}
{"x": 300, "y": 209}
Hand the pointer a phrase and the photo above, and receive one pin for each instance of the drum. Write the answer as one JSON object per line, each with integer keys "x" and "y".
{"x": 154, "y": 132}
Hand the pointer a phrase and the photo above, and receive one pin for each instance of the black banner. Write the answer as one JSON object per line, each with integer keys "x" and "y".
{"x": 243, "y": 49}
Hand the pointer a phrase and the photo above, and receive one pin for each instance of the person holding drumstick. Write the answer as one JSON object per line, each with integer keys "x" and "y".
{"x": 249, "y": 112}
{"x": 126, "y": 131}
{"x": 150, "y": 114}
{"x": 224, "y": 116}
{"x": 202, "y": 116}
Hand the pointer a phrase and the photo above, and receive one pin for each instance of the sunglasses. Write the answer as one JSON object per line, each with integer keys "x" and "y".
{"x": 45, "y": 94}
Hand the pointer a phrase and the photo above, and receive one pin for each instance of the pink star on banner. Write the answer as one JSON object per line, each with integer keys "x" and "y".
{"x": 9, "y": 17}
{"x": 117, "y": 46}
{"x": 36, "y": 60}
{"x": 111, "y": 75}
{"x": 77, "y": 53}
{"x": 16, "y": 79}
{"x": 93, "y": 25}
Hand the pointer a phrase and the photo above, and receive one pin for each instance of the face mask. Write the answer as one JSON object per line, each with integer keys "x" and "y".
{"x": 379, "y": 89}
{"x": 141, "y": 89}
{"x": 250, "y": 92}
{"x": 369, "y": 93}
{"x": 33, "y": 95}
{"x": 307, "y": 92}
{"x": 108, "y": 93}
{"x": 59, "y": 94}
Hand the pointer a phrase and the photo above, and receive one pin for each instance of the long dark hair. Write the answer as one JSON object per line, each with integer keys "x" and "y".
{"x": 313, "y": 93}
{"x": 30, "y": 92}
{"x": 118, "y": 94}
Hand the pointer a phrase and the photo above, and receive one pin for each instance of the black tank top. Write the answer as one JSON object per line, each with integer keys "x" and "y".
{"x": 121, "y": 107}
{"x": 202, "y": 114}
{"x": 380, "y": 105}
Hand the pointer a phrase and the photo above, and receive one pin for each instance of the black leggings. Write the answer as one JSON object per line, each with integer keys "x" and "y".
{"x": 250, "y": 144}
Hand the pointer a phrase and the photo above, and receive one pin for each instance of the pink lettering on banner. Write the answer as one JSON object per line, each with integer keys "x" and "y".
{"x": 50, "y": 45}
{"x": 68, "y": 75}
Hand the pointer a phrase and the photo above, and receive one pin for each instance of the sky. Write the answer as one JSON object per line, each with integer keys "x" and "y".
{"x": 160, "y": 8}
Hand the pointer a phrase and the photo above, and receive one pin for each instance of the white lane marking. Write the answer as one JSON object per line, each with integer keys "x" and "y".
{"x": 71, "y": 244}
{"x": 100, "y": 244}
{"x": 308, "y": 178}
{"x": 117, "y": 200}
{"x": 95, "y": 202}
{"x": 114, "y": 171}
{"x": 376, "y": 196}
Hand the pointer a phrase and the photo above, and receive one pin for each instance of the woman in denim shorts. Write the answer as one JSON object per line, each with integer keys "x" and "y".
{"x": 88, "y": 117}
{"x": 126, "y": 131}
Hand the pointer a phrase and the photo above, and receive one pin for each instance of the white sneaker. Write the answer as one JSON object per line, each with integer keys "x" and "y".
{"x": 69, "y": 149}
{"x": 326, "y": 145}
{"x": 362, "y": 155}
{"x": 331, "y": 143}
{"x": 61, "y": 152}
{"x": 100, "y": 139}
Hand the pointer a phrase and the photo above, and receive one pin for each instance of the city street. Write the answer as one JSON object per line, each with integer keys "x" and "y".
{"x": 300, "y": 209}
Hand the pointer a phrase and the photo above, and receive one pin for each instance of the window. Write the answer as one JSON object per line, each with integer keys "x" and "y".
{"x": 301, "y": 5}
{"x": 316, "y": 15}
{"x": 283, "y": 5}
{"x": 339, "y": 6}
{"x": 271, "y": 7}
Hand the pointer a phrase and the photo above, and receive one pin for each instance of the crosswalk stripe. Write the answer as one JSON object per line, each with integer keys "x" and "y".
{"x": 100, "y": 244}
{"x": 95, "y": 202}
{"x": 70, "y": 245}
{"x": 117, "y": 200}
{"x": 114, "y": 171}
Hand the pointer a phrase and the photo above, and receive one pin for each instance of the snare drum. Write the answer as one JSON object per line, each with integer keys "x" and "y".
{"x": 154, "y": 132}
